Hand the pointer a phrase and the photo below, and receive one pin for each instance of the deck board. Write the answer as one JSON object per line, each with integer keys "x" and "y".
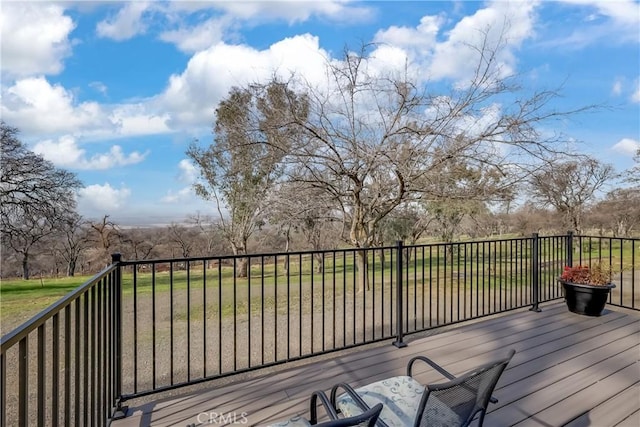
{"x": 632, "y": 420}
{"x": 568, "y": 369}
{"x": 613, "y": 411}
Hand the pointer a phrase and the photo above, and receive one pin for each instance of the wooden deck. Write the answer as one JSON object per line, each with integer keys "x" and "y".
{"x": 568, "y": 370}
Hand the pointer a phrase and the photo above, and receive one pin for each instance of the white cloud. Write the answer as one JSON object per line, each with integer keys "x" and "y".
{"x": 625, "y": 12}
{"x": 627, "y": 146}
{"x": 65, "y": 152}
{"x": 138, "y": 119}
{"x": 99, "y": 87}
{"x": 623, "y": 86}
{"x": 187, "y": 175}
{"x": 188, "y": 172}
{"x": 635, "y": 95}
{"x": 222, "y": 18}
{"x": 478, "y": 124}
{"x": 181, "y": 196}
{"x": 35, "y": 106}
{"x": 614, "y": 20}
{"x": 295, "y": 11}
{"x": 388, "y": 60}
{"x": 616, "y": 89}
{"x": 200, "y": 37}
{"x": 191, "y": 97}
{"x": 126, "y": 24}
{"x": 503, "y": 23}
{"x": 102, "y": 198}
{"x": 35, "y": 38}
{"x": 421, "y": 38}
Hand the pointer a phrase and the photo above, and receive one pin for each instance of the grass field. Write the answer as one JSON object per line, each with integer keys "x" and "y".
{"x": 20, "y": 299}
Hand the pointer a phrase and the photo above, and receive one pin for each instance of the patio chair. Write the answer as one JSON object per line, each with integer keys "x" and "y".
{"x": 408, "y": 403}
{"x": 366, "y": 418}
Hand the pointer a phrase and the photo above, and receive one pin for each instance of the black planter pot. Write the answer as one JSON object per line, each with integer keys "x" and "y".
{"x": 586, "y": 299}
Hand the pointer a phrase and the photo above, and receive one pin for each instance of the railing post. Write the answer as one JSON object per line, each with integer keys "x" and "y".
{"x": 119, "y": 411}
{"x": 23, "y": 382}
{"x": 399, "y": 311}
{"x": 569, "y": 249}
{"x": 535, "y": 270}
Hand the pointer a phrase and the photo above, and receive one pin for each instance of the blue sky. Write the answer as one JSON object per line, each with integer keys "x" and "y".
{"x": 115, "y": 91}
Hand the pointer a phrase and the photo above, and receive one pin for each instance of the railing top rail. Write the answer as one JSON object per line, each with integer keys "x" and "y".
{"x": 251, "y": 255}
{"x": 472, "y": 242}
{"x": 8, "y": 340}
{"x": 583, "y": 236}
{"x": 311, "y": 252}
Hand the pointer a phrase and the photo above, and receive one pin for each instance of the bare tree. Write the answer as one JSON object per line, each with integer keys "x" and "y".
{"x": 35, "y": 196}
{"x": 22, "y": 228}
{"x": 408, "y": 223}
{"x": 139, "y": 243}
{"x": 569, "y": 186}
{"x": 296, "y": 207}
{"x": 374, "y": 140}
{"x": 448, "y": 215}
{"x": 460, "y": 191}
{"x": 72, "y": 240}
{"x": 183, "y": 238}
{"x": 244, "y": 161}
{"x": 531, "y": 218}
{"x": 104, "y": 236}
{"x": 633, "y": 177}
{"x": 210, "y": 238}
{"x": 618, "y": 212}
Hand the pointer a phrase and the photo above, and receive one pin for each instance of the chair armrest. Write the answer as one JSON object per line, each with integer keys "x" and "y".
{"x": 356, "y": 398}
{"x": 351, "y": 392}
{"x": 431, "y": 363}
{"x": 328, "y": 407}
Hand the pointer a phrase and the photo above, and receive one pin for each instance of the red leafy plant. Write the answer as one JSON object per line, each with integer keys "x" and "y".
{"x": 583, "y": 275}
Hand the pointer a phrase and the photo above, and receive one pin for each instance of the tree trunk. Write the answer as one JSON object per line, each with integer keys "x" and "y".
{"x": 242, "y": 268}
{"x": 382, "y": 257}
{"x": 285, "y": 261}
{"x": 242, "y": 264}
{"x": 25, "y": 266}
{"x": 362, "y": 266}
{"x": 71, "y": 268}
{"x": 406, "y": 256}
{"x": 319, "y": 261}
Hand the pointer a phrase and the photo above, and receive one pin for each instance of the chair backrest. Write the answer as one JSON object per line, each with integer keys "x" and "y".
{"x": 457, "y": 402}
{"x": 366, "y": 419}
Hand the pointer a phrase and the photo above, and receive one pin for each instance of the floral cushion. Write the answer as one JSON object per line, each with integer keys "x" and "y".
{"x": 400, "y": 397}
{"x": 297, "y": 421}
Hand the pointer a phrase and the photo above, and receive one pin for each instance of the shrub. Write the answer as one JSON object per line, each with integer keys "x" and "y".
{"x": 584, "y": 275}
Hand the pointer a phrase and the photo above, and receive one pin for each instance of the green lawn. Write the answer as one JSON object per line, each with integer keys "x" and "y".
{"x": 22, "y": 299}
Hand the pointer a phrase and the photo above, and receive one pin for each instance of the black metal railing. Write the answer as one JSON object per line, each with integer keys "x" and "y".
{"x": 74, "y": 375}
{"x": 191, "y": 320}
{"x": 155, "y": 325}
{"x": 621, "y": 255}
{"x": 218, "y": 316}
